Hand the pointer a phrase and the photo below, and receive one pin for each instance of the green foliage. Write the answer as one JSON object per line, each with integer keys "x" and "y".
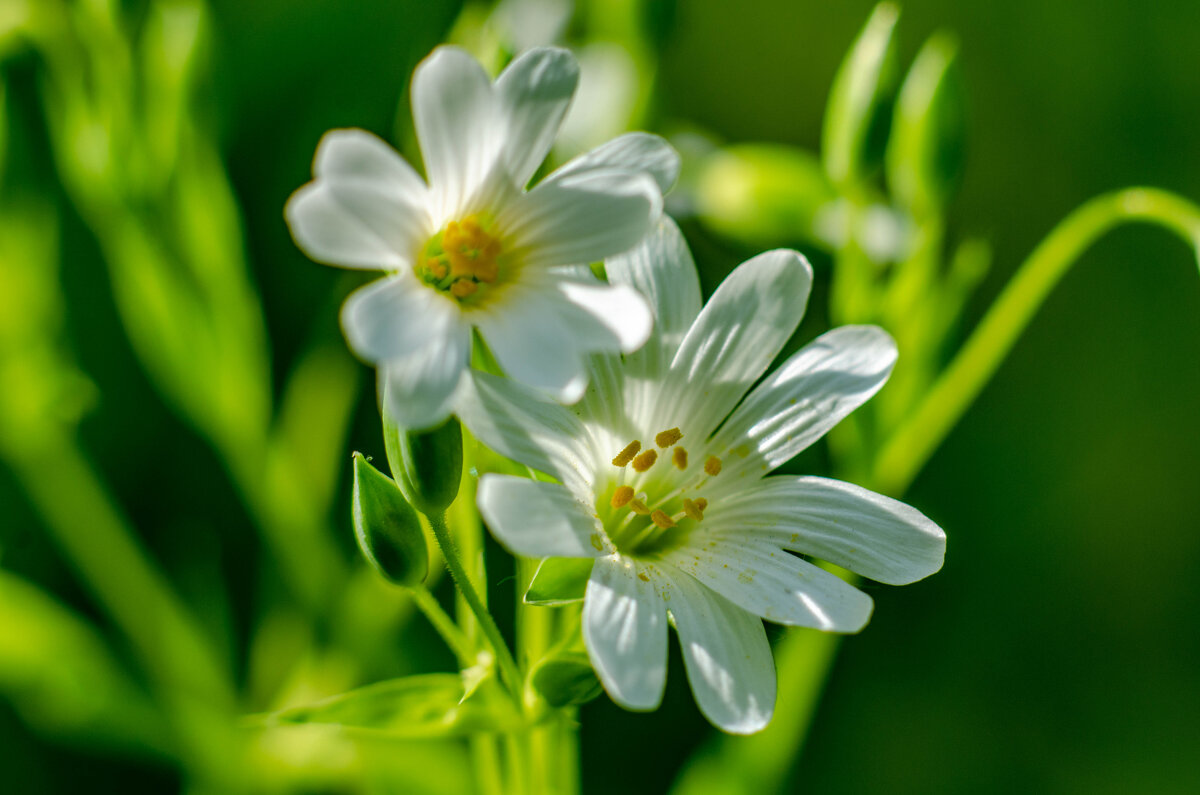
{"x": 860, "y": 100}
{"x": 427, "y": 464}
{"x": 566, "y": 680}
{"x": 762, "y": 194}
{"x": 559, "y": 581}
{"x": 387, "y": 528}
{"x": 426, "y": 706}
{"x": 58, "y": 673}
{"x": 926, "y": 148}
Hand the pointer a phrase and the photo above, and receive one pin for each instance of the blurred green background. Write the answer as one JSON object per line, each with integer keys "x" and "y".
{"x": 1056, "y": 652}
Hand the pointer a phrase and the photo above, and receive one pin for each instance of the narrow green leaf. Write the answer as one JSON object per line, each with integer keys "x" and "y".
{"x": 566, "y": 680}
{"x": 925, "y": 150}
{"x": 412, "y": 707}
{"x": 559, "y": 581}
{"x": 859, "y": 102}
{"x": 387, "y": 528}
{"x": 427, "y": 465}
{"x": 762, "y": 195}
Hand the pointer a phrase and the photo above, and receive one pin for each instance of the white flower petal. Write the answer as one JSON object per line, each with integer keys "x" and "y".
{"x": 580, "y": 218}
{"x": 521, "y": 425}
{"x": 625, "y": 631}
{"x": 859, "y": 530}
{"x": 660, "y": 268}
{"x": 538, "y": 520}
{"x": 420, "y": 389}
{"x": 635, "y": 151}
{"x": 534, "y": 92}
{"x": 606, "y": 317}
{"x": 394, "y": 317}
{"x": 728, "y": 657}
{"x": 328, "y": 228}
{"x": 741, "y": 329}
{"x": 772, "y": 583}
{"x": 533, "y": 344}
{"x": 461, "y": 137}
{"x": 354, "y": 155}
{"x": 809, "y": 394}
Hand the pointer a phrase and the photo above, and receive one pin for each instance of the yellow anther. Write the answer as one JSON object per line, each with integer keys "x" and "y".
{"x": 645, "y": 461}
{"x": 662, "y": 520}
{"x": 437, "y": 269}
{"x": 693, "y": 510}
{"x": 463, "y": 287}
{"x": 702, "y": 504}
{"x": 470, "y": 250}
{"x": 639, "y": 507}
{"x": 679, "y": 456}
{"x": 622, "y": 496}
{"x": 668, "y": 437}
{"x": 713, "y": 465}
{"x": 626, "y": 455}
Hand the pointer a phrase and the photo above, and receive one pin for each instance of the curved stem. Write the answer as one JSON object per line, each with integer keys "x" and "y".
{"x": 508, "y": 665}
{"x": 912, "y": 444}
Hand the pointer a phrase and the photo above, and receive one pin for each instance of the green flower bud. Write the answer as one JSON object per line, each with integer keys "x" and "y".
{"x": 925, "y": 151}
{"x": 566, "y": 679}
{"x": 762, "y": 195}
{"x": 387, "y": 528}
{"x": 856, "y": 116}
{"x": 427, "y": 465}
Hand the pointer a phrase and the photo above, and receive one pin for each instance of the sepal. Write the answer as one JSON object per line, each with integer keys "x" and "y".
{"x": 559, "y": 581}
{"x": 387, "y": 528}
{"x": 427, "y": 465}
{"x": 566, "y": 679}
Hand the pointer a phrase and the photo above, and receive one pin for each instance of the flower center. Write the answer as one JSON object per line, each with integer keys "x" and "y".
{"x": 656, "y": 509}
{"x": 462, "y": 260}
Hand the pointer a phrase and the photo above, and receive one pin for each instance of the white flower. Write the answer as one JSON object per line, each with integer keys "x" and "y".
{"x": 473, "y": 248}
{"x": 662, "y": 471}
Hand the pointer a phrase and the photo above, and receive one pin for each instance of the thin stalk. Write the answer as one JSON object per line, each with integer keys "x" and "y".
{"x": 486, "y": 758}
{"x": 508, "y": 665}
{"x": 444, "y": 624}
{"x": 912, "y": 444}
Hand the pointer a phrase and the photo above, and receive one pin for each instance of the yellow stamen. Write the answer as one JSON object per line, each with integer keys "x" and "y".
{"x": 713, "y": 465}
{"x": 693, "y": 510}
{"x": 463, "y": 287}
{"x": 679, "y": 456}
{"x": 668, "y": 437}
{"x": 645, "y": 461}
{"x": 436, "y": 268}
{"x": 622, "y": 496}
{"x": 639, "y": 507}
{"x": 626, "y": 455}
{"x": 662, "y": 520}
{"x": 702, "y": 504}
{"x": 470, "y": 250}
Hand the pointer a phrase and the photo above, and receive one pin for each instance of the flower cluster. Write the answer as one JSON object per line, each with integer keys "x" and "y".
{"x": 648, "y": 408}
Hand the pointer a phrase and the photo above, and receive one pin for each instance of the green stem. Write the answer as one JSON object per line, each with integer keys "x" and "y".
{"x": 910, "y": 447}
{"x": 444, "y": 624}
{"x": 508, "y": 665}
